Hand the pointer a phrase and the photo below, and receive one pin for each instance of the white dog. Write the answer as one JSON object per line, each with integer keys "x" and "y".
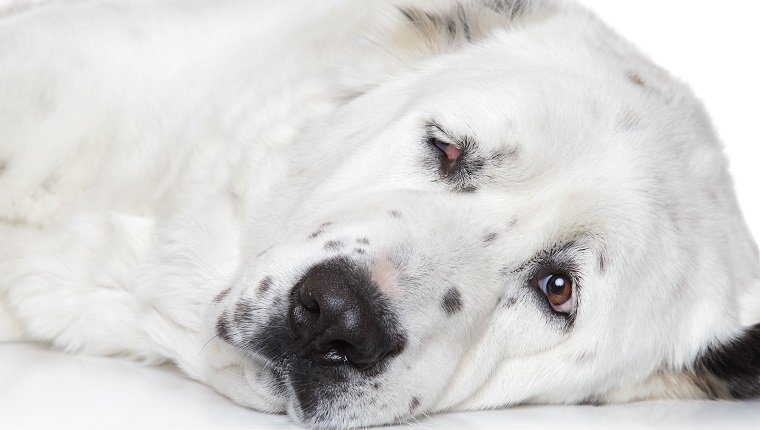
{"x": 362, "y": 211}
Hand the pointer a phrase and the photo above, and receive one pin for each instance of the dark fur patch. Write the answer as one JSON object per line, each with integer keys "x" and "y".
{"x": 3, "y": 166}
{"x": 333, "y": 245}
{"x": 265, "y": 284}
{"x": 222, "y": 295}
{"x": 511, "y": 8}
{"x": 452, "y": 301}
{"x": 394, "y": 213}
{"x": 635, "y": 78}
{"x": 734, "y": 364}
{"x": 243, "y": 311}
{"x": 359, "y": 251}
{"x": 320, "y": 230}
{"x": 414, "y": 404}
{"x": 508, "y": 303}
{"x": 602, "y": 262}
{"x": 223, "y": 328}
{"x": 362, "y": 241}
{"x": 490, "y": 237}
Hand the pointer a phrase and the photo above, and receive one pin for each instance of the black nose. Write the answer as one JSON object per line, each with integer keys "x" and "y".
{"x": 338, "y": 317}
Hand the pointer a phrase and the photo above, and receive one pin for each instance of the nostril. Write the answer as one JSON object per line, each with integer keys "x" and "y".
{"x": 307, "y": 300}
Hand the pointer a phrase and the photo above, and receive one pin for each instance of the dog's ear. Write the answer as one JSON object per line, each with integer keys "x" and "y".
{"x": 731, "y": 369}
{"x": 446, "y": 23}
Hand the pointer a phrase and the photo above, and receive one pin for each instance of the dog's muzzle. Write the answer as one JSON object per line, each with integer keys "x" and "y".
{"x": 338, "y": 317}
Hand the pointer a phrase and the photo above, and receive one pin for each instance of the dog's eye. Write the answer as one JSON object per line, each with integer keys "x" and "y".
{"x": 449, "y": 154}
{"x": 559, "y": 290}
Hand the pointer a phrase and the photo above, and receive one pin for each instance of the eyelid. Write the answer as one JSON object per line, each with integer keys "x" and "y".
{"x": 435, "y": 131}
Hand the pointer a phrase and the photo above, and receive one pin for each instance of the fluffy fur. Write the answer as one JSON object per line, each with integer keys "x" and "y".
{"x": 169, "y": 170}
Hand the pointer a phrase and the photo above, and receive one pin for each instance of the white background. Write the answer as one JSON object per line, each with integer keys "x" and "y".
{"x": 713, "y": 45}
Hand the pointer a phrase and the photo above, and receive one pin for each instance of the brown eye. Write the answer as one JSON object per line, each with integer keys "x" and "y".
{"x": 559, "y": 290}
{"x": 449, "y": 154}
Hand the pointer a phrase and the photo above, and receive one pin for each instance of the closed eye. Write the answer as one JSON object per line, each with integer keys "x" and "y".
{"x": 449, "y": 154}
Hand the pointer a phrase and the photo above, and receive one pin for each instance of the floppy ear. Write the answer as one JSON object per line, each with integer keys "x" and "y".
{"x": 445, "y": 23}
{"x": 731, "y": 369}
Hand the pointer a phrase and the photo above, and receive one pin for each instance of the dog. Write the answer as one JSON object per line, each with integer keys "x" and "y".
{"x": 361, "y": 212}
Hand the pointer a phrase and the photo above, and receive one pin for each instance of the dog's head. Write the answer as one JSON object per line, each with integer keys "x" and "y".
{"x": 531, "y": 213}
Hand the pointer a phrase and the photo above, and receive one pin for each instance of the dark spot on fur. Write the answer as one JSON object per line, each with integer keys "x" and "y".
{"x": 512, "y": 222}
{"x": 452, "y": 301}
{"x": 223, "y": 328}
{"x": 263, "y": 252}
{"x": 508, "y": 303}
{"x": 333, "y": 245}
{"x": 359, "y": 251}
{"x": 394, "y": 213}
{"x": 376, "y": 385}
{"x": 414, "y": 404}
{"x": 602, "y": 262}
{"x": 320, "y": 230}
{"x": 243, "y": 311}
{"x": 451, "y": 27}
{"x": 219, "y": 297}
{"x": 511, "y": 8}
{"x": 733, "y": 367}
{"x": 265, "y": 284}
{"x": 462, "y": 16}
{"x": 362, "y": 241}
{"x": 3, "y": 166}
{"x": 584, "y": 357}
{"x": 635, "y": 78}
{"x": 591, "y": 401}
{"x": 490, "y": 237}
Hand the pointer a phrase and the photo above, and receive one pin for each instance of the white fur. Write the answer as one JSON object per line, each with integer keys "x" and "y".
{"x": 151, "y": 151}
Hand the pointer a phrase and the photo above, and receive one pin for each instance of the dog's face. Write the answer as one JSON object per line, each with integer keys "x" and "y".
{"x": 508, "y": 223}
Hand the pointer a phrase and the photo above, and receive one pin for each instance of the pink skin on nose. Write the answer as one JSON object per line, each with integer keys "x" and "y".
{"x": 385, "y": 275}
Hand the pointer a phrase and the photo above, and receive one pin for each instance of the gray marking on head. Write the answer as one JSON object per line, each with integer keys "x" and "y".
{"x": 584, "y": 357}
{"x": 265, "y": 284}
{"x": 452, "y": 301}
{"x": 394, "y": 213}
{"x": 462, "y": 16}
{"x": 359, "y": 251}
{"x": 222, "y": 295}
{"x": 635, "y": 78}
{"x": 490, "y": 237}
{"x": 414, "y": 404}
{"x": 243, "y": 311}
{"x": 508, "y": 303}
{"x": 511, "y": 8}
{"x": 602, "y": 262}
{"x": 362, "y": 241}
{"x": 320, "y": 230}
{"x": 333, "y": 245}
{"x": 3, "y": 166}
{"x": 223, "y": 328}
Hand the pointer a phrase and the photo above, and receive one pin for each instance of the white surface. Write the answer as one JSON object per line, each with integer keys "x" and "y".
{"x": 44, "y": 389}
{"x": 712, "y": 45}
